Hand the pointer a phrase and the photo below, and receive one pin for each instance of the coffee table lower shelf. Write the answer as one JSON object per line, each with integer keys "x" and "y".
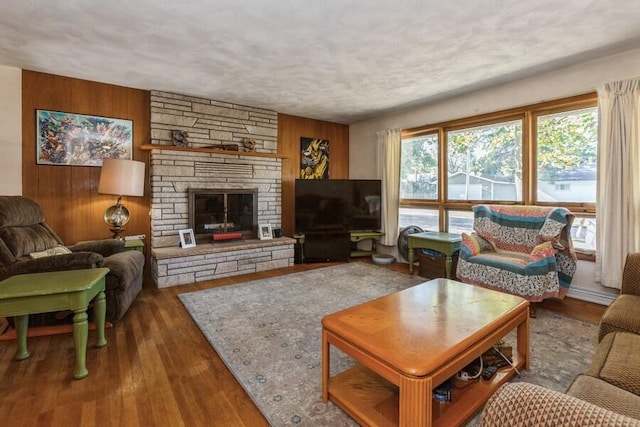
{"x": 373, "y": 401}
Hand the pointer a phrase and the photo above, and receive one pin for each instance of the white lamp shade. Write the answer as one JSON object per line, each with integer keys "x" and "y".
{"x": 122, "y": 177}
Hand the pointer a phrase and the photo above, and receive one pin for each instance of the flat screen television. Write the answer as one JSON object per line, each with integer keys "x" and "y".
{"x": 338, "y": 205}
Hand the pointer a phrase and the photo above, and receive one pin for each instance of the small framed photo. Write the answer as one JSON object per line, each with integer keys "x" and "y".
{"x": 187, "y": 239}
{"x": 264, "y": 232}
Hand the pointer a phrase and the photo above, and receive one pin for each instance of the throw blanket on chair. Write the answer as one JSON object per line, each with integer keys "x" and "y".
{"x": 521, "y": 250}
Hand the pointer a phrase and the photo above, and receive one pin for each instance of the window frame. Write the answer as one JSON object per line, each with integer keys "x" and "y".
{"x": 528, "y": 114}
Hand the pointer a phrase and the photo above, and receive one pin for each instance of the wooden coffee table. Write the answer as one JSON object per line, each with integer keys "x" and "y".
{"x": 409, "y": 342}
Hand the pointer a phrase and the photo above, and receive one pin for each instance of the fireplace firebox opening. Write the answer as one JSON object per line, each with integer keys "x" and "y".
{"x": 219, "y": 211}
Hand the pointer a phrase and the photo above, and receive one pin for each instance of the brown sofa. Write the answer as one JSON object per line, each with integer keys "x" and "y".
{"x": 24, "y": 234}
{"x": 608, "y": 393}
{"x": 624, "y": 312}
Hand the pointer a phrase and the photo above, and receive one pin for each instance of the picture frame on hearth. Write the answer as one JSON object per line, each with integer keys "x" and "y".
{"x": 264, "y": 232}
{"x": 187, "y": 238}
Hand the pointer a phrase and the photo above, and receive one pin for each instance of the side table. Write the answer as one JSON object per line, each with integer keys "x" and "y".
{"x": 134, "y": 244}
{"x": 357, "y": 236}
{"x": 447, "y": 243}
{"x": 73, "y": 290}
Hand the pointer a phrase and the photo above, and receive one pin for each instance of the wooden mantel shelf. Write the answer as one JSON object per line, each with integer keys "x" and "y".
{"x": 149, "y": 147}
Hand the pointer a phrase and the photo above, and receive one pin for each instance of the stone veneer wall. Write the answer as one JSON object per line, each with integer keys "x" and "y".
{"x": 208, "y": 123}
{"x": 174, "y": 172}
{"x": 211, "y": 122}
{"x": 175, "y": 266}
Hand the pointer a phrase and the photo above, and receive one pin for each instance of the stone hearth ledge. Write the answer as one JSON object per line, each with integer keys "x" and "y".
{"x": 173, "y": 266}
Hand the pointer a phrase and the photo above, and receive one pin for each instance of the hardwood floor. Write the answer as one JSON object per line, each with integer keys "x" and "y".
{"x": 156, "y": 370}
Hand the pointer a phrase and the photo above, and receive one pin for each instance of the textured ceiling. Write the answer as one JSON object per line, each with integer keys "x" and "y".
{"x": 338, "y": 60}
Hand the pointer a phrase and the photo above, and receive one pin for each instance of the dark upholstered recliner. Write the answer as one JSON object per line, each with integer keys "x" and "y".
{"x": 28, "y": 245}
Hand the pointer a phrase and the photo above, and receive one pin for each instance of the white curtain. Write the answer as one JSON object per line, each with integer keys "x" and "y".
{"x": 618, "y": 196}
{"x": 388, "y": 169}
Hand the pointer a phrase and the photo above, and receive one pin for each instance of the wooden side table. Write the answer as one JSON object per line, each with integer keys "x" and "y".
{"x": 447, "y": 243}
{"x": 134, "y": 245}
{"x": 358, "y": 236}
{"x": 26, "y": 294}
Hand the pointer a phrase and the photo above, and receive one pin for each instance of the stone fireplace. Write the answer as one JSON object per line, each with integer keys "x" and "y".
{"x": 177, "y": 173}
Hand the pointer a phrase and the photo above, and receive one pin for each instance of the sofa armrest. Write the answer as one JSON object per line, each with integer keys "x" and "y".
{"x": 532, "y": 405}
{"x": 72, "y": 261}
{"x": 105, "y": 247}
{"x": 124, "y": 267}
{"x": 631, "y": 275}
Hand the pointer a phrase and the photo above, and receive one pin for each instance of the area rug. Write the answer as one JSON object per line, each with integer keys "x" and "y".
{"x": 268, "y": 334}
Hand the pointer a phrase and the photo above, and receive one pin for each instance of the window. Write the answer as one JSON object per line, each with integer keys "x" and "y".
{"x": 419, "y": 168}
{"x": 460, "y": 221}
{"x": 484, "y": 162}
{"x": 583, "y": 233}
{"x": 567, "y": 145}
{"x": 543, "y": 154}
{"x": 427, "y": 219}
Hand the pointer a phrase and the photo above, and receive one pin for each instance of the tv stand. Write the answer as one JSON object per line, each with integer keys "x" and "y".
{"x": 334, "y": 245}
{"x": 324, "y": 246}
{"x": 358, "y": 236}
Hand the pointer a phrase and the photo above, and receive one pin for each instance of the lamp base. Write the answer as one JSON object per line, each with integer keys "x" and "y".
{"x": 116, "y": 232}
{"x": 116, "y": 217}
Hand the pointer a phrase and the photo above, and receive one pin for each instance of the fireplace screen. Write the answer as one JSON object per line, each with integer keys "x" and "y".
{"x": 216, "y": 211}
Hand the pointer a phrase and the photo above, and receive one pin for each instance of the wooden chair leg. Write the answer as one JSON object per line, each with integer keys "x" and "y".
{"x": 533, "y": 306}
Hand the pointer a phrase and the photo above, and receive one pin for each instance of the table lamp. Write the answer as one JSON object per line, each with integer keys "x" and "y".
{"x": 122, "y": 178}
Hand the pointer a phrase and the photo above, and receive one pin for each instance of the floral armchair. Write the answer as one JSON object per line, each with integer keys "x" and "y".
{"x": 521, "y": 250}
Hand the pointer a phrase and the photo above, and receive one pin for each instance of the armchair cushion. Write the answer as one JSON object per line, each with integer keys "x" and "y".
{"x": 605, "y": 395}
{"x": 56, "y": 250}
{"x": 475, "y": 245}
{"x": 616, "y": 361}
{"x": 544, "y": 251}
{"x": 521, "y": 228}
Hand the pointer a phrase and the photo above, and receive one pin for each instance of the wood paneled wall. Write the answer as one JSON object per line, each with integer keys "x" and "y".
{"x": 290, "y": 130}
{"x": 69, "y": 195}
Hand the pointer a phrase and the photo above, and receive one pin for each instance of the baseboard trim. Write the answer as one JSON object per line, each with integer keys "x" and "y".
{"x": 590, "y": 296}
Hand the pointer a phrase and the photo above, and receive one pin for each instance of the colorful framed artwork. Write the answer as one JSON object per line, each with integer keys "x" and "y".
{"x": 70, "y": 139}
{"x": 314, "y": 158}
